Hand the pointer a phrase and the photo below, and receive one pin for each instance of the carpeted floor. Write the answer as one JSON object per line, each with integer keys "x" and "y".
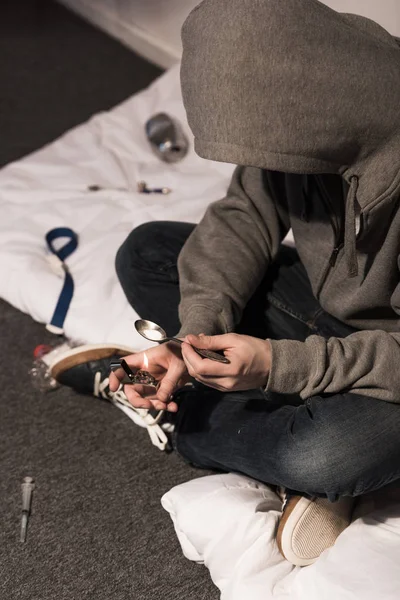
{"x": 97, "y": 530}
{"x": 55, "y": 72}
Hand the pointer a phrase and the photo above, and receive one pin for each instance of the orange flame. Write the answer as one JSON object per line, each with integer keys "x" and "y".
{"x": 145, "y": 361}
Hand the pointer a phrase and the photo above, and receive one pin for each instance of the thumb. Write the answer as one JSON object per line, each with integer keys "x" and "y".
{"x": 170, "y": 381}
{"x": 209, "y": 342}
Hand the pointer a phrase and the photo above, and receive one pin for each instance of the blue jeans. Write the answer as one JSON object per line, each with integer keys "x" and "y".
{"x": 331, "y": 445}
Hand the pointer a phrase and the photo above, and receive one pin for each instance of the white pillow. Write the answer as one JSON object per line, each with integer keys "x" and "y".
{"x": 228, "y": 522}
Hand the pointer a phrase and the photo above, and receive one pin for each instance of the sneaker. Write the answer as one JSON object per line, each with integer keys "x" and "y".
{"x": 308, "y": 526}
{"x": 77, "y": 367}
{"x": 86, "y": 370}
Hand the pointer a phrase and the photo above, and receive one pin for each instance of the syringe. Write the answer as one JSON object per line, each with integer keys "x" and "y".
{"x": 28, "y": 485}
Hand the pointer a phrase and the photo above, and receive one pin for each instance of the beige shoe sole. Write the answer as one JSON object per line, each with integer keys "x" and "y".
{"x": 308, "y": 527}
{"x": 82, "y": 354}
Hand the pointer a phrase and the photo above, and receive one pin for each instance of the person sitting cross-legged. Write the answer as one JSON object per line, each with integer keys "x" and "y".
{"x": 306, "y": 102}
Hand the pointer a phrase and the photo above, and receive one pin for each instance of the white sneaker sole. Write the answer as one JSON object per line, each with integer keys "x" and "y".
{"x": 311, "y": 527}
{"x": 81, "y": 354}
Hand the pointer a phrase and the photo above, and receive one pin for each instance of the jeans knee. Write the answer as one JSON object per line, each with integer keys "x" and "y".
{"x": 321, "y": 474}
{"x": 136, "y": 251}
{"x": 320, "y": 457}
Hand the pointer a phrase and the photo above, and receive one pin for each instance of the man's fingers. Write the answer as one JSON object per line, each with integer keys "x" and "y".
{"x": 138, "y": 398}
{"x": 172, "y": 407}
{"x": 135, "y": 398}
{"x": 211, "y": 342}
{"x": 171, "y": 380}
{"x": 167, "y": 387}
{"x": 159, "y": 405}
{"x": 114, "y": 381}
{"x": 203, "y": 366}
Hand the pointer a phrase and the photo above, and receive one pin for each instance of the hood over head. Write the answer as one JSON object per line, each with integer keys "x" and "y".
{"x": 294, "y": 86}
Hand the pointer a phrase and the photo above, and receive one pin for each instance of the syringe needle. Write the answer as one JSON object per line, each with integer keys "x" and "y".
{"x": 27, "y": 487}
{"x": 24, "y": 526}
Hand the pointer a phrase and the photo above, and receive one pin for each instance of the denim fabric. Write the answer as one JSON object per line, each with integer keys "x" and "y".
{"x": 146, "y": 267}
{"x": 337, "y": 445}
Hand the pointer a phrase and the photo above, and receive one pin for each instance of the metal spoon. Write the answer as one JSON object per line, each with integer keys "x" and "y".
{"x": 153, "y": 332}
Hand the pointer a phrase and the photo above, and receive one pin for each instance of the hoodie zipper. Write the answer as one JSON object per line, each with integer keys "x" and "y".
{"x": 338, "y": 231}
{"x": 334, "y": 255}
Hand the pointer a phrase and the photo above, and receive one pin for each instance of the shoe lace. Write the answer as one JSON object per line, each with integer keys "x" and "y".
{"x": 285, "y": 495}
{"x": 282, "y": 493}
{"x": 140, "y": 416}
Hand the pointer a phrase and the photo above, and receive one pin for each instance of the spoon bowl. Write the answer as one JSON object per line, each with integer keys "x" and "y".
{"x": 155, "y": 333}
{"x": 151, "y": 331}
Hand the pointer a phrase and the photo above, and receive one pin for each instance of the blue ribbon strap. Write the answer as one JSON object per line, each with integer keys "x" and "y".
{"x": 57, "y": 260}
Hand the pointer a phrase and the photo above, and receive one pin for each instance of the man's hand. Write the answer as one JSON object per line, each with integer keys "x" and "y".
{"x": 166, "y": 365}
{"x": 250, "y": 361}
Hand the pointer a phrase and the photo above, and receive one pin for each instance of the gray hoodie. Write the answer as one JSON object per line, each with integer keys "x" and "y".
{"x": 294, "y": 87}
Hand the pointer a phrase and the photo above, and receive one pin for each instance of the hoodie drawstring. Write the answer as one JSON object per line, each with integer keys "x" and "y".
{"x": 306, "y": 210}
{"x": 350, "y": 235}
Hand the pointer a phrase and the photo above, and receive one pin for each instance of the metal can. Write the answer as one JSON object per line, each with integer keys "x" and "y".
{"x": 166, "y": 138}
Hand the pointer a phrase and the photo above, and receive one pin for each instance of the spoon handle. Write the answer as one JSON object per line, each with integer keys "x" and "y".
{"x": 173, "y": 339}
{"x": 205, "y": 353}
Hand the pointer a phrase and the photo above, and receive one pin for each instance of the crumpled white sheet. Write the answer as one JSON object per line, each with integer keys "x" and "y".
{"x": 49, "y": 189}
{"x": 228, "y": 522}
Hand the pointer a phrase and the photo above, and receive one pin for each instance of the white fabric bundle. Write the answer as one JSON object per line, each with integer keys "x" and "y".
{"x": 228, "y": 522}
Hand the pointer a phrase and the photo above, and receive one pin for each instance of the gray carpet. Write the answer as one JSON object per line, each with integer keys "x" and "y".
{"x": 55, "y": 72}
{"x": 97, "y": 529}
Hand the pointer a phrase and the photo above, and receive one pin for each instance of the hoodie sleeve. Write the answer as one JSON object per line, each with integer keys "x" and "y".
{"x": 225, "y": 258}
{"x": 365, "y": 362}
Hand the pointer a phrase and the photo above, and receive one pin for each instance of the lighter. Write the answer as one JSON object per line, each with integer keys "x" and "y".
{"x": 139, "y": 376}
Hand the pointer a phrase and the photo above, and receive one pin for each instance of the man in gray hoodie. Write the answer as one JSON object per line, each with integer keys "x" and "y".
{"x": 306, "y": 101}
